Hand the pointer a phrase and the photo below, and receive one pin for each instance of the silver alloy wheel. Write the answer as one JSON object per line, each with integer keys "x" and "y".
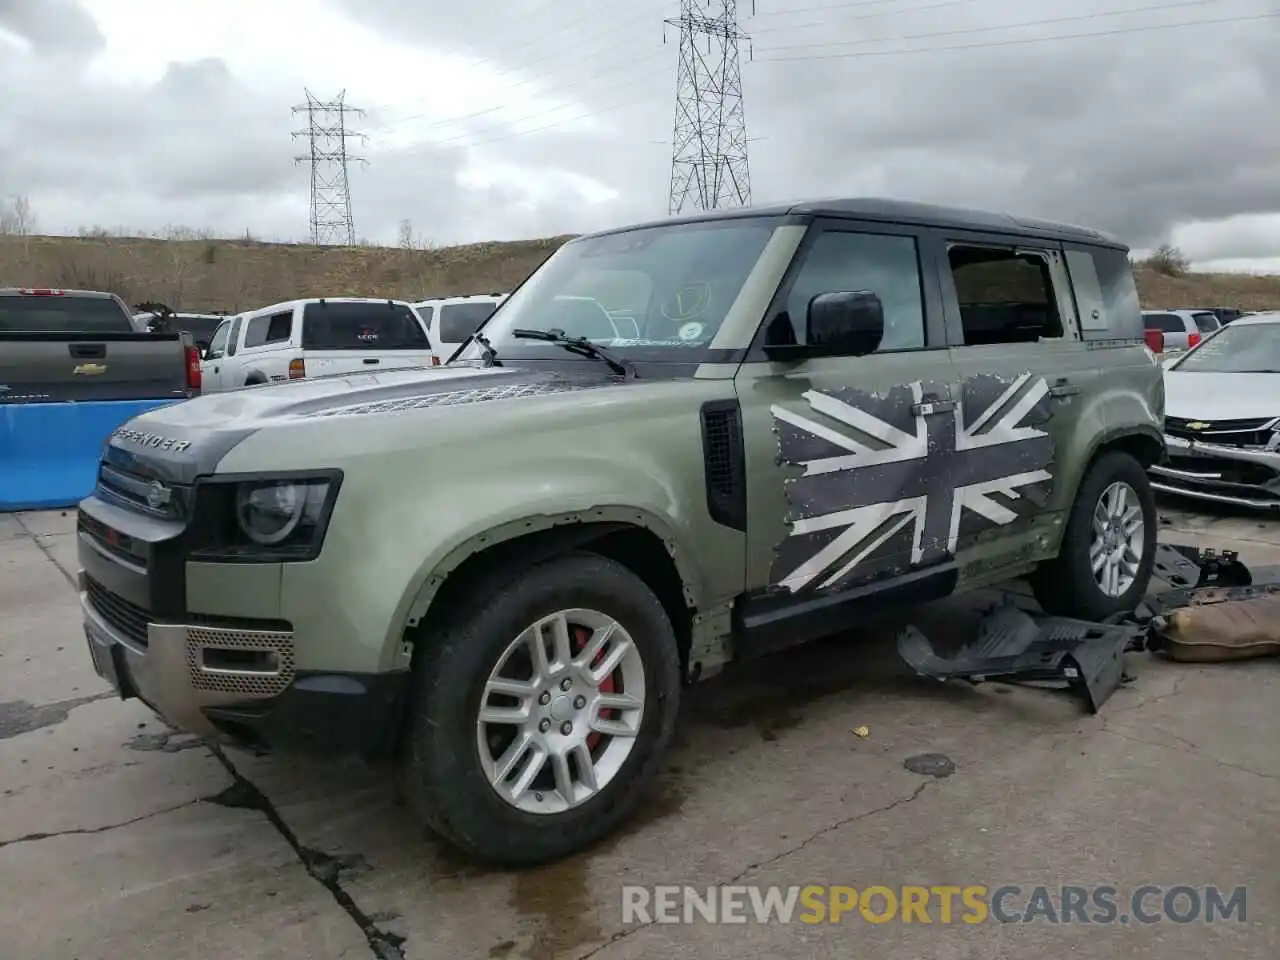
{"x": 1119, "y": 531}
{"x": 556, "y": 723}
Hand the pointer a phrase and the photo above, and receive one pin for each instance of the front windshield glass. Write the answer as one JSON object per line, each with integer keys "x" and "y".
{"x": 1237, "y": 348}
{"x": 654, "y": 293}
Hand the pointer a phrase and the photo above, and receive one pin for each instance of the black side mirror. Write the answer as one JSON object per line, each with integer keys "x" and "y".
{"x": 845, "y": 322}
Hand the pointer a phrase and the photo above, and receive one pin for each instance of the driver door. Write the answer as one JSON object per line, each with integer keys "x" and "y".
{"x": 848, "y": 483}
{"x": 215, "y": 358}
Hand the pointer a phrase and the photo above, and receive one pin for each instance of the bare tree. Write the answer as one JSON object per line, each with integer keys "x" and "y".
{"x": 406, "y": 234}
{"x": 1169, "y": 260}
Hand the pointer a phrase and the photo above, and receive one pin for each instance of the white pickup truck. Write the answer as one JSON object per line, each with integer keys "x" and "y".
{"x": 313, "y": 338}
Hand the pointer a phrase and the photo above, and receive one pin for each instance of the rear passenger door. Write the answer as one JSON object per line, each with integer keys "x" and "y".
{"x": 1021, "y": 367}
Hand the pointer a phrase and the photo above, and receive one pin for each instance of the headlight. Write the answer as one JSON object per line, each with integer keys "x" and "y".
{"x": 271, "y": 513}
{"x": 262, "y": 519}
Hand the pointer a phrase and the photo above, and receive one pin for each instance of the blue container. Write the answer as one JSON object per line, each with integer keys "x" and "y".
{"x": 49, "y": 451}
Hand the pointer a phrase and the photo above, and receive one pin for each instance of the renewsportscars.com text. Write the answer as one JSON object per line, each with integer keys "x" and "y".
{"x": 945, "y": 904}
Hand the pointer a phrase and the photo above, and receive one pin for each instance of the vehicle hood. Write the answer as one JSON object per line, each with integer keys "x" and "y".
{"x": 1221, "y": 396}
{"x": 177, "y": 443}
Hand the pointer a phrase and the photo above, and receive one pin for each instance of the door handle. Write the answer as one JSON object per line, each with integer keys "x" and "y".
{"x": 1063, "y": 387}
{"x": 372, "y": 360}
{"x": 927, "y": 407}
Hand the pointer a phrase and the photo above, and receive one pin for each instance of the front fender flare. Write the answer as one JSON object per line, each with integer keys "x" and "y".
{"x": 576, "y": 526}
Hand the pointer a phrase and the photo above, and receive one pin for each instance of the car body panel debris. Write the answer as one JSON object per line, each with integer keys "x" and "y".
{"x": 1014, "y": 646}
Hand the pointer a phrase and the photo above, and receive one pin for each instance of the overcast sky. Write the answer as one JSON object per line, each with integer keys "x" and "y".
{"x": 519, "y": 118}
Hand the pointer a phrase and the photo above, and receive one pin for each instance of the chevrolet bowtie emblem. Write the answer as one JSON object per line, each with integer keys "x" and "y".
{"x": 1198, "y": 425}
{"x": 89, "y": 369}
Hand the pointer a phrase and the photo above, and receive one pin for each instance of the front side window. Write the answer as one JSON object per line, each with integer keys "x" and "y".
{"x": 885, "y": 265}
{"x": 218, "y": 345}
{"x": 652, "y": 293}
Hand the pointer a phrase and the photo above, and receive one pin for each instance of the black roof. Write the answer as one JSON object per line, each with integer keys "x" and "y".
{"x": 904, "y": 212}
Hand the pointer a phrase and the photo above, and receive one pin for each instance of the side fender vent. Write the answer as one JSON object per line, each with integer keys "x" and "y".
{"x": 725, "y": 463}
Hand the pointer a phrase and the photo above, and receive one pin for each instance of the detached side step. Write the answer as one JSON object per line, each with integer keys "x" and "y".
{"x": 1014, "y": 646}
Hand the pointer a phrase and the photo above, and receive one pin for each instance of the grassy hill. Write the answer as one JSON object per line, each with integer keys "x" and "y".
{"x": 206, "y": 274}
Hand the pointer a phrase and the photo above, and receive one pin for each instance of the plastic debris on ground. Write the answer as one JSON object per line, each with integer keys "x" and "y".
{"x": 1204, "y": 606}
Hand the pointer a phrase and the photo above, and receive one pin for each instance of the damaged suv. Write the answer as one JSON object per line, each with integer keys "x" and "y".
{"x": 674, "y": 446}
{"x": 1222, "y": 426}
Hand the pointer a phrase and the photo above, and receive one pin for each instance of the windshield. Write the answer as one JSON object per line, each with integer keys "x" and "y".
{"x": 654, "y": 293}
{"x": 1237, "y": 348}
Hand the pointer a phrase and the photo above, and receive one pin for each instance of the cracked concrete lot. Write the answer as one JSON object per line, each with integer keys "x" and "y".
{"x": 121, "y": 838}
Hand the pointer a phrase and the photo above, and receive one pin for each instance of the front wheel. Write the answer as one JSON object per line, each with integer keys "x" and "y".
{"x": 1104, "y": 563}
{"x": 541, "y": 710}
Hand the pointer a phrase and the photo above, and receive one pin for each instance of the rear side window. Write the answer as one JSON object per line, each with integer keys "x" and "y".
{"x": 1206, "y": 322}
{"x": 1168, "y": 322}
{"x": 1106, "y": 295}
{"x": 460, "y": 320}
{"x": 361, "y": 326}
{"x": 62, "y": 314}
{"x": 275, "y": 328}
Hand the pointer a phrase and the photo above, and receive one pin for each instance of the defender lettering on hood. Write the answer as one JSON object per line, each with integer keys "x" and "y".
{"x": 152, "y": 441}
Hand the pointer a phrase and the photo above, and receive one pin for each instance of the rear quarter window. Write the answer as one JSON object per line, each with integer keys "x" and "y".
{"x": 361, "y": 326}
{"x": 1167, "y": 322}
{"x": 460, "y": 320}
{"x": 1206, "y": 322}
{"x": 1106, "y": 294}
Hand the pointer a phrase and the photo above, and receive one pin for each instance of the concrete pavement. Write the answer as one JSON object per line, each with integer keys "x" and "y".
{"x": 119, "y": 837}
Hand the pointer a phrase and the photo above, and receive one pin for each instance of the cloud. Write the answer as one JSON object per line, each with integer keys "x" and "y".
{"x": 50, "y": 27}
{"x": 530, "y": 118}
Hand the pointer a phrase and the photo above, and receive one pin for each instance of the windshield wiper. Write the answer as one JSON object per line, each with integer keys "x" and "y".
{"x": 581, "y": 346}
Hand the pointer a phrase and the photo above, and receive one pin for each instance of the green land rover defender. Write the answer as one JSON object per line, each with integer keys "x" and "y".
{"x": 674, "y": 446}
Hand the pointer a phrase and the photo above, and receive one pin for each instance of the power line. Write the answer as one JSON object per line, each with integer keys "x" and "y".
{"x": 990, "y": 28}
{"x": 1018, "y": 41}
{"x": 517, "y": 67}
{"x": 327, "y": 137}
{"x": 848, "y": 5}
{"x": 625, "y": 66}
{"x": 828, "y": 23}
{"x": 709, "y": 144}
{"x": 632, "y": 100}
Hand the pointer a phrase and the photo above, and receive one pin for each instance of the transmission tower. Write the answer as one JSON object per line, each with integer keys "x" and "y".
{"x": 709, "y": 144}
{"x": 327, "y": 135}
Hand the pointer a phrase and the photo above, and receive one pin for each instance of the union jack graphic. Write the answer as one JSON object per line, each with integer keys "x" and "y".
{"x": 895, "y": 479}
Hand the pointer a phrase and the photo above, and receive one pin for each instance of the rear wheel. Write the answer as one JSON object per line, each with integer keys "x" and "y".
{"x": 541, "y": 710}
{"x": 1104, "y": 564}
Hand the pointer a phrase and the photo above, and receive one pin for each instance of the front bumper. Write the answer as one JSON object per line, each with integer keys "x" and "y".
{"x": 241, "y": 687}
{"x": 1240, "y": 476}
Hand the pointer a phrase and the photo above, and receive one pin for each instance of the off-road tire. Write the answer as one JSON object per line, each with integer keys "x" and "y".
{"x": 1065, "y": 586}
{"x": 440, "y": 770}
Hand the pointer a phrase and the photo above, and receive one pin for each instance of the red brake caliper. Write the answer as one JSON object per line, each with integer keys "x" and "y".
{"x": 582, "y": 636}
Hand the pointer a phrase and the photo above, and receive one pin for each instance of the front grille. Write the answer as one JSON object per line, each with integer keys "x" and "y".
{"x": 128, "y": 618}
{"x": 1254, "y": 432}
{"x": 144, "y": 494}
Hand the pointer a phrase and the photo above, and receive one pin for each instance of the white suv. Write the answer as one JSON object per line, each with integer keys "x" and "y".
{"x": 451, "y": 320}
{"x": 1182, "y": 329}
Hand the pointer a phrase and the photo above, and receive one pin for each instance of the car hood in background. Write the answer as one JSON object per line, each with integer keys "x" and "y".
{"x": 1221, "y": 396}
